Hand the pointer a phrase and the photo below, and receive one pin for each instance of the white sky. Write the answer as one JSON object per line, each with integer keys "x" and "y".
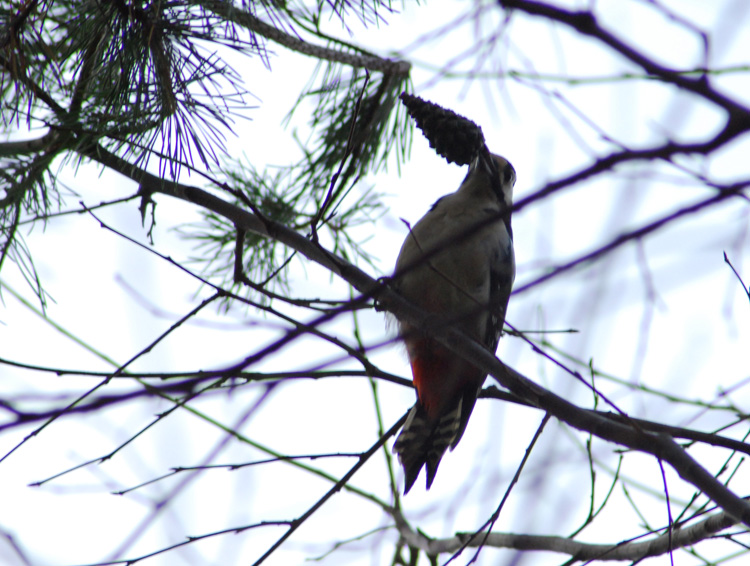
{"x": 696, "y": 345}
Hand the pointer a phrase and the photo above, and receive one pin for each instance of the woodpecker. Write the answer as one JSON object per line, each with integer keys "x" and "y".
{"x": 457, "y": 263}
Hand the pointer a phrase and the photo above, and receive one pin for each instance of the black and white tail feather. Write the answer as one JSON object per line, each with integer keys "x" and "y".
{"x": 423, "y": 444}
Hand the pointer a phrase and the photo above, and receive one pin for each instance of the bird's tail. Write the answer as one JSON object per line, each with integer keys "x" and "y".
{"x": 423, "y": 441}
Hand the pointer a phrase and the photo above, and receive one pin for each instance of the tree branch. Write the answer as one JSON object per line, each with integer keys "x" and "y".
{"x": 631, "y": 551}
{"x": 660, "y": 445}
{"x": 584, "y": 22}
{"x": 230, "y": 12}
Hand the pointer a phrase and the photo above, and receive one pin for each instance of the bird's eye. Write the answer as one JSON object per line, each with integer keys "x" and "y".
{"x": 509, "y": 175}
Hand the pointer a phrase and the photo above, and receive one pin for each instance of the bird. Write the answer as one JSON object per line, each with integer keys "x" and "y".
{"x": 457, "y": 263}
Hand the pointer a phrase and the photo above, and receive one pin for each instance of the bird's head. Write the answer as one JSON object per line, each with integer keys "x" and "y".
{"x": 501, "y": 174}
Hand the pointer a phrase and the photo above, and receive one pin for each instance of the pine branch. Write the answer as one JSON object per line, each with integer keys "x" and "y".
{"x": 247, "y": 20}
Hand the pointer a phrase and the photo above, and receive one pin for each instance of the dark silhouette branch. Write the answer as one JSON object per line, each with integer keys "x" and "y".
{"x": 660, "y": 445}
{"x": 244, "y": 18}
{"x": 585, "y": 23}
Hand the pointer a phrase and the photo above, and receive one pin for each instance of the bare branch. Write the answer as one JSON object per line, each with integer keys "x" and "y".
{"x": 660, "y": 445}
{"x": 629, "y": 550}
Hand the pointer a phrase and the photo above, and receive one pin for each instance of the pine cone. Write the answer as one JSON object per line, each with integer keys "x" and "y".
{"x": 456, "y": 138}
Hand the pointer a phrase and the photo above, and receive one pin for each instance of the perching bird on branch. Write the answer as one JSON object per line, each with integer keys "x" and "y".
{"x": 457, "y": 263}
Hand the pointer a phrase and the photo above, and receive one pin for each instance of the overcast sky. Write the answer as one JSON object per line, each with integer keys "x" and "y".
{"x": 667, "y": 314}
